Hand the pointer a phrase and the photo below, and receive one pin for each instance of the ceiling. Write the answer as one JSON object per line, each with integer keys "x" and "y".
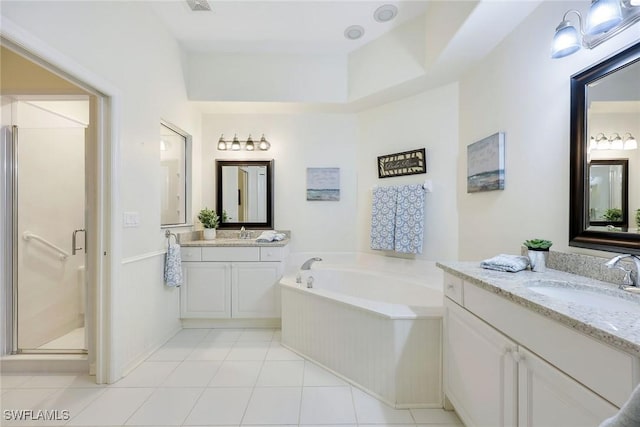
{"x": 266, "y": 26}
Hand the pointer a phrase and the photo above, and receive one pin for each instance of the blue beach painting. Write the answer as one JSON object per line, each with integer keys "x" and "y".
{"x": 485, "y": 164}
{"x": 323, "y": 184}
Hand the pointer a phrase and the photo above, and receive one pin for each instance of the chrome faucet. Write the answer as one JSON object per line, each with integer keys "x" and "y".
{"x": 630, "y": 277}
{"x": 307, "y": 263}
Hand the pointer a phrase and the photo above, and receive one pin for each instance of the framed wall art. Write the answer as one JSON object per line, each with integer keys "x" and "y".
{"x": 485, "y": 164}
{"x": 405, "y": 163}
{"x": 323, "y": 184}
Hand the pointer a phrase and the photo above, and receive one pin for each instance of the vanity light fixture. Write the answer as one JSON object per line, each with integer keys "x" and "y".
{"x": 616, "y": 141}
{"x": 601, "y": 142}
{"x": 605, "y": 19}
{"x": 613, "y": 142}
{"x": 630, "y": 142}
{"x": 249, "y": 145}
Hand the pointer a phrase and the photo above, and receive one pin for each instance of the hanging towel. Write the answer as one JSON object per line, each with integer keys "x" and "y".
{"x": 270, "y": 236}
{"x": 383, "y": 216}
{"x": 502, "y": 262}
{"x": 629, "y": 414}
{"x": 409, "y": 219}
{"x": 173, "y": 266}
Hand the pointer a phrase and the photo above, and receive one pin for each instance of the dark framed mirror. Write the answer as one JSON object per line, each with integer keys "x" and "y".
{"x": 244, "y": 193}
{"x": 605, "y": 107}
{"x": 608, "y": 194}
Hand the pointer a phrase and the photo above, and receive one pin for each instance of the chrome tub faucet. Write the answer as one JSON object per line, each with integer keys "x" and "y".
{"x": 307, "y": 264}
{"x": 630, "y": 277}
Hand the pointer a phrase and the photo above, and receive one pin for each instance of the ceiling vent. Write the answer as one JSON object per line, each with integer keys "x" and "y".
{"x": 199, "y": 5}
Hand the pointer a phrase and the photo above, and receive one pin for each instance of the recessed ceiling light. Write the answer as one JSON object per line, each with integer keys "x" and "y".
{"x": 354, "y": 32}
{"x": 385, "y": 13}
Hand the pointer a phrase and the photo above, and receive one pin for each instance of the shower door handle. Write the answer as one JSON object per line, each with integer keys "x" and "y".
{"x": 74, "y": 241}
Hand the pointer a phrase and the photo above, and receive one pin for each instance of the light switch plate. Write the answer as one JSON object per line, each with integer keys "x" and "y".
{"x": 131, "y": 219}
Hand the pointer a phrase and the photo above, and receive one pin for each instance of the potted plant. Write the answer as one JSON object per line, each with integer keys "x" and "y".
{"x": 638, "y": 220}
{"x": 613, "y": 215}
{"x": 538, "y": 250}
{"x": 210, "y": 221}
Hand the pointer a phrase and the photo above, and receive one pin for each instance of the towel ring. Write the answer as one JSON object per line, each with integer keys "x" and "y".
{"x": 168, "y": 235}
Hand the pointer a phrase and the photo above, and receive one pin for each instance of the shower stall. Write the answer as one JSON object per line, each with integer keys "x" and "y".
{"x": 44, "y": 170}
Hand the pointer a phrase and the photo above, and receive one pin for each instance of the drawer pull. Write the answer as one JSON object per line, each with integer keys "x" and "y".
{"x": 450, "y": 287}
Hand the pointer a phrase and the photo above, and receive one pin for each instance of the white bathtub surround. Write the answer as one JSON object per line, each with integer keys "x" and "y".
{"x": 363, "y": 323}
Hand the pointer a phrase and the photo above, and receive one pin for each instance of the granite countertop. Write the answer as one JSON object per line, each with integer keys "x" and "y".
{"x": 619, "y": 327}
{"x": 233, "y": 242}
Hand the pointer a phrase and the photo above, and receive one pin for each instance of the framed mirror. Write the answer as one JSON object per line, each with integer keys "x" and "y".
{"x": 175, "y": 176}
{"x": 244, "y": 193}
{"x": 608, "y": 194}
{"x": 605, "y": 115}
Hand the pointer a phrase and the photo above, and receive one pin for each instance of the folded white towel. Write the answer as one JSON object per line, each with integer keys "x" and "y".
{"x": 503, "y": 262}
{"x": 629, "y": 414}
{"x": 270, "y": 236}
{"x": 173, "y": 266}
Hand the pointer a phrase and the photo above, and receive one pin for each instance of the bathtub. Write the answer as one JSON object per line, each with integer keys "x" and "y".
{"x": 379, "y": 330}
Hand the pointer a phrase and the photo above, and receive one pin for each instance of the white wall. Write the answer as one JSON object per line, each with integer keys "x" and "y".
{"x": 518, "y": 89}
{"x": 267, "y": 77}
{"x": 428, "y": 120}
{"x": 124, "y": 44}
{"x": 392, "y": 59}
{"x": 298, "y": 141}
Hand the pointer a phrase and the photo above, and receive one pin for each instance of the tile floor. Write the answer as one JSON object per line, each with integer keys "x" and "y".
{"x": 211, "y": 377}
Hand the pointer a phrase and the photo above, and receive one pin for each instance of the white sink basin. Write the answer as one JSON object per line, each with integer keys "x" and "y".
{"x": 579, "y": 294}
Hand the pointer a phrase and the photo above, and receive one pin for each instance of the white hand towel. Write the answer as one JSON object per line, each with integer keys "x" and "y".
{"x": 503, "y": 262}
{"x": 173, "y": 266}
{"x": 270, "y": 236}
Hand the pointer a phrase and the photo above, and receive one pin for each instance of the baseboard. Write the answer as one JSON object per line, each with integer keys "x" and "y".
{"x": 231, "y": 323}
{"x": 44, "y": 363}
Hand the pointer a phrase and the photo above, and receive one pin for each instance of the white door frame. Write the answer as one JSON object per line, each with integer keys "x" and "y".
{"x": 107, "y": 258}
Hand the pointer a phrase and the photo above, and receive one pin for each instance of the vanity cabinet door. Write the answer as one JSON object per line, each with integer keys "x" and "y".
{"x": 549, "y": 398}
{"x": 206, "y": 291}
{"x": 255, "y": 292}
{"x": 480, "y": 374}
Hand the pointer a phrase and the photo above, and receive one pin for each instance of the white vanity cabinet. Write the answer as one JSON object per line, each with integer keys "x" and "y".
{"x": 206, "y": 290}
{"x": 479, "y": 373}
{"x": 505, "y": 365}
{"x": 231, "y": 282}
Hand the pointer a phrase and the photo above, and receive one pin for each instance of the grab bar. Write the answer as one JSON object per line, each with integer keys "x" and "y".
{"x": 29, "y": 236}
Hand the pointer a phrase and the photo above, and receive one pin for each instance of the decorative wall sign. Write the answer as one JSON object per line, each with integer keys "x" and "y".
{"x": 405, "y": 163}
{"x": 485, "y": 164}
{"x": 323, "y": 184}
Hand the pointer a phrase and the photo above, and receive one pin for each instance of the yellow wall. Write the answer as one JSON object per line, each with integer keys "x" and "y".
{"x": 19, "y": 75}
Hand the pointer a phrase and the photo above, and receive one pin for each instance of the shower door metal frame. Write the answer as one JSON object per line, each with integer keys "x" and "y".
{"x": 9, "y": 171}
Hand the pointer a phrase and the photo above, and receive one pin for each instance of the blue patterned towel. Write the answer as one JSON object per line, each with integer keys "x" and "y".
{"x": 173, "y": 266}
{"x": 383, "y": 218}
{"x": 502, "y": 262}
{"x": 409, "y": 219}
